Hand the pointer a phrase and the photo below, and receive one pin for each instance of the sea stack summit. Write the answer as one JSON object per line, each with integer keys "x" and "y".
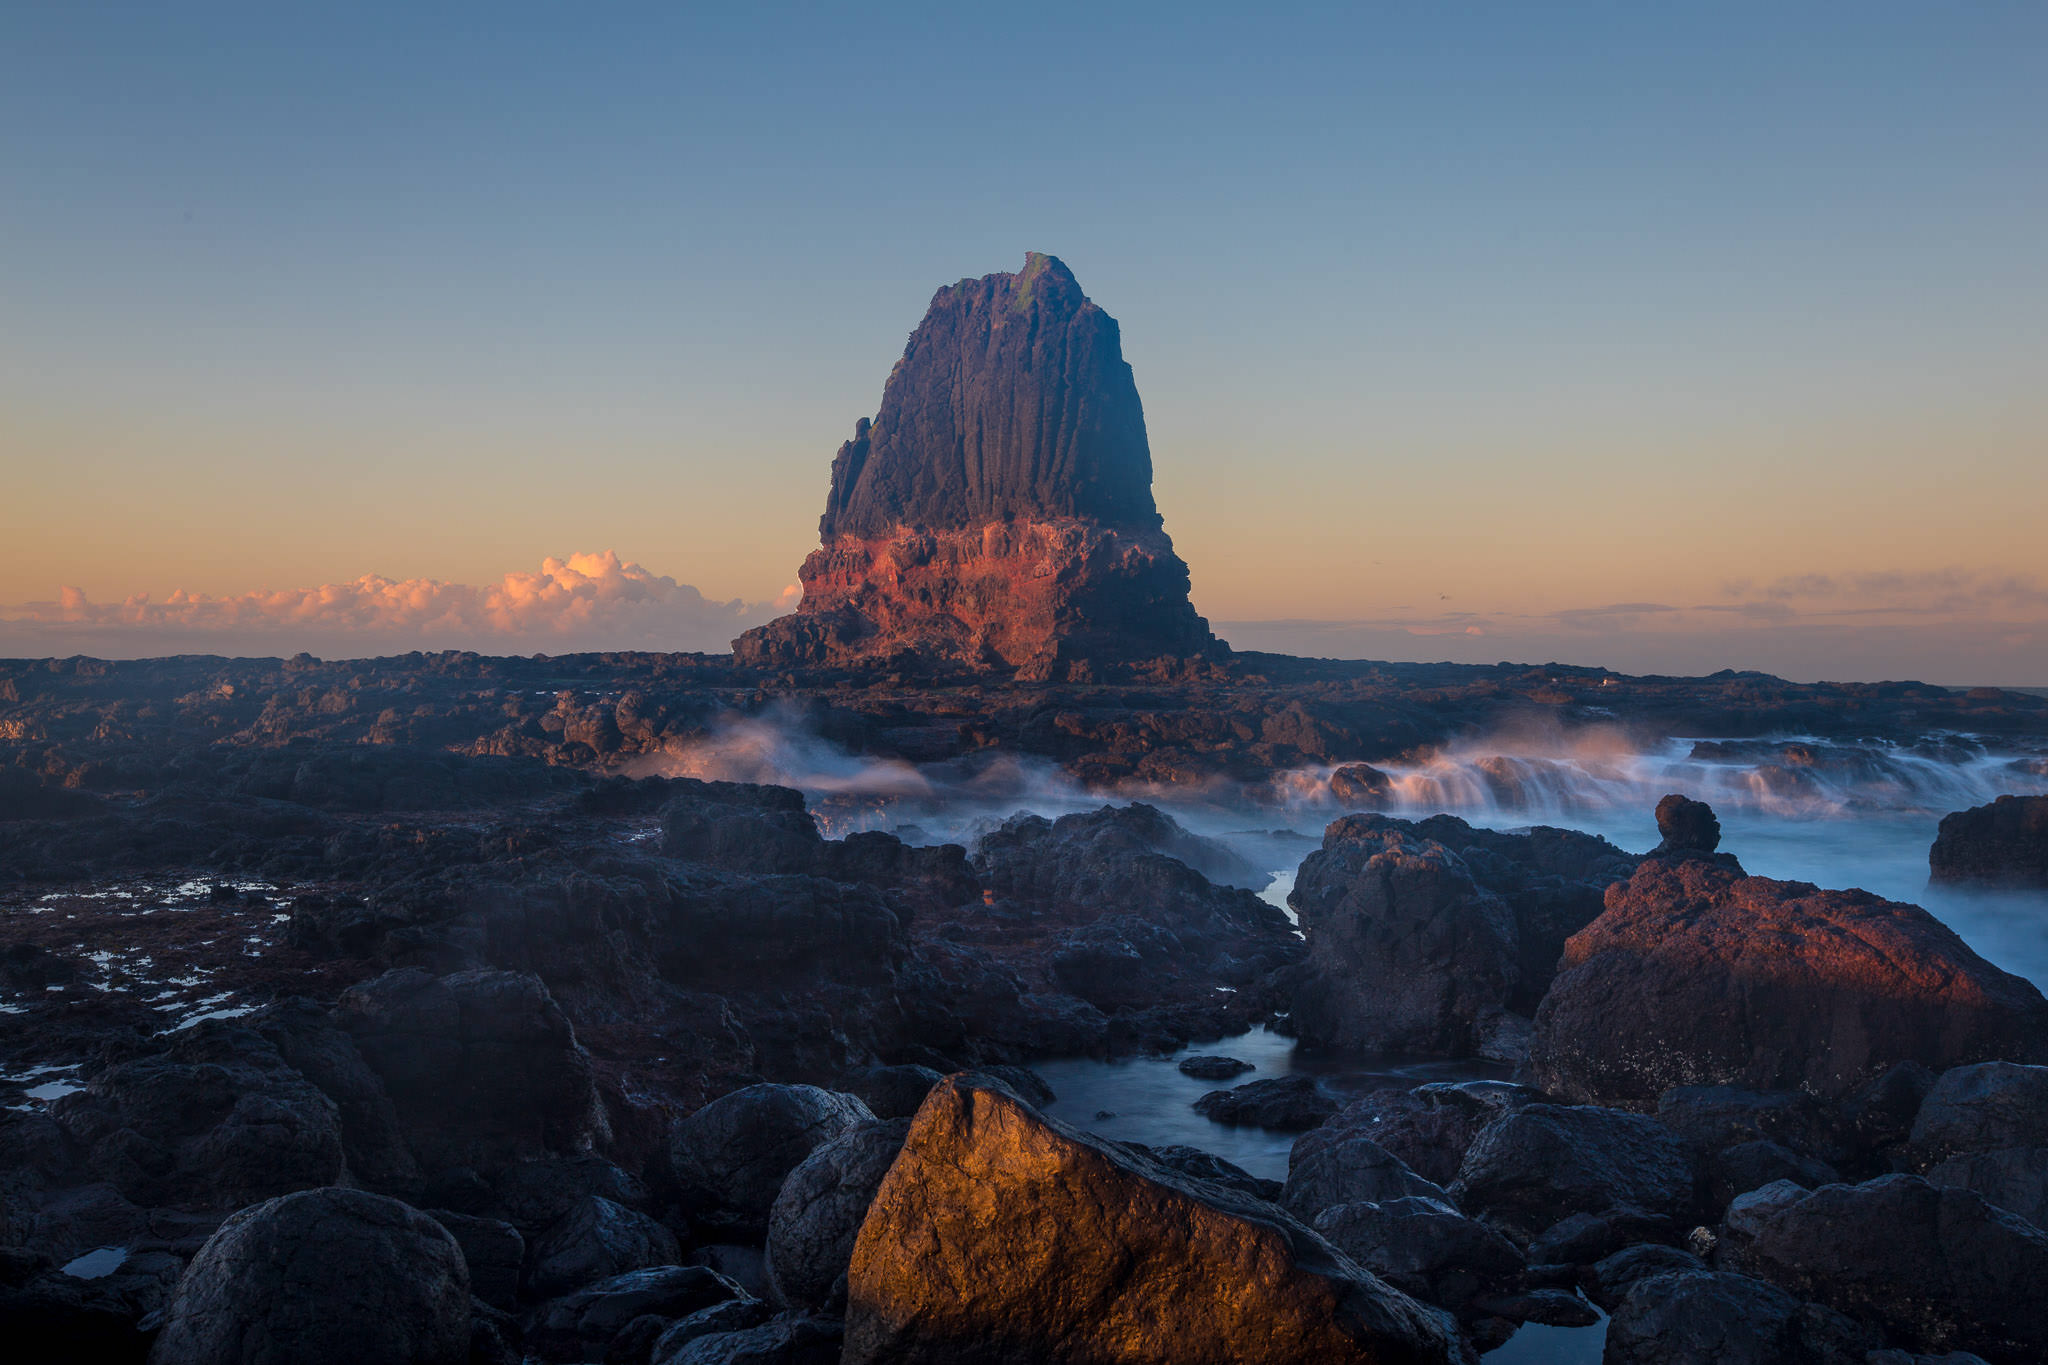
{"x": 997, "y": 514}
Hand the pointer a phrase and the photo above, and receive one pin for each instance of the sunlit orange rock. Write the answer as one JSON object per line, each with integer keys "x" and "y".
{"x": 1696, "y": 974}
{"x": 1001, "y": 1237}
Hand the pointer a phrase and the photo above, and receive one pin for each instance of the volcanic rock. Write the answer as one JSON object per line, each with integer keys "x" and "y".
{"x": 1687, "y": 826}
{"x": 1001, "y": 1236}
{"x": 581, "y": 1325}
{"x": 596, "y": 1240}
{"x": 1698, "y": 975}
{"x": 1701, "y": 1317}
{"x": 328, "y": 1275}
{"x": 998, "y": 512}
{"x": 1541, "y": 1162}
{"x": 1940, "y": 1268}
{"x": 818, "y": 1214}
{"x": 1423, "y": 1247}
{"x": 1287, "y": 1104}
{"x": 1407, "y": 953}
{"x": 1338, "y": 1164}
{"x": 733, "y": 1154}
{"x": 2002, "y": 844}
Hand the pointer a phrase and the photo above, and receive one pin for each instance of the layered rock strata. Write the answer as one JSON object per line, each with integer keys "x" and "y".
{"x": 997, "y": 513}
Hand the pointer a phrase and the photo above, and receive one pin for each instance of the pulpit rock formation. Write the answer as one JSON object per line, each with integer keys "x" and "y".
{"x": 997, "y": 513}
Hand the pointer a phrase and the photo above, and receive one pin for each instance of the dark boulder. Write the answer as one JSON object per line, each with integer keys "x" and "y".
{"x": 1001, "y": 1236}
{"x": 1982, "y": 1108}
{"x": 732, "y": 1155}
{"x": 1340, "y": 1165}
{"x": 791, "y": 1339}
{"x": 580, "y": 1326}
{"x": 892, "y": 1092}
{"x": 1406, "y": 952}
{"x": 1424, "y": 1247}
{"x": 1287, "y": 1104}
{"x": 598, "y": 1240}
{"x": 1939, "y": 1268}
{"x": 1707, "y": 1318}
{"x": 320, "y": 1276}
{"x": 482, "y": 1066}
{"x": 1428, "y": 1127}
{"x": 1201, "y": 1165}
{"x": 217, "y": 1120}
{"x": 734, "y": 1315}
{"x": 1697, "y": 975}
{"x": 1613, "y": 1276}
{"x": 1686, "y": 826}
{"x": 1586, "y": 1238}
{"x": 817, "y": 1215}
{"x": 1539, "y": 1163}
{"x": 494, "y": 1252}
{"x": 2002, "y": 844}
{"x": 1360, "y": 785}
{"x": 1209, "y": 1068}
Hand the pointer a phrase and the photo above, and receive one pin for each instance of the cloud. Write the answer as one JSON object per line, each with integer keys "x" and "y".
{"x": 1948, "y": 626}
{"x": 586, "y": 602}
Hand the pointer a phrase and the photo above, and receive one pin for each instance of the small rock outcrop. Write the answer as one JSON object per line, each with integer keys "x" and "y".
{"x": 322, "y": 1277}
{"x": 2002, "y": 844}
{"x": 997, "y": 513}
{"x": 1003, "y": 1236}
{"x": 1698, "y": 975}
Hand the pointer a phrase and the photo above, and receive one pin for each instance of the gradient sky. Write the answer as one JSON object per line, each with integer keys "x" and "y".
{"x": 1457, "y": 326}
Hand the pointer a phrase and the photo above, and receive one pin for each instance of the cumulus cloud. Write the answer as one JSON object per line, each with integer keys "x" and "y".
{"x": 590, "y": 601}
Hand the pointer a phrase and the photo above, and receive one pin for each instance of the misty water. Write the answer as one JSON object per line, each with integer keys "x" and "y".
{"x": 1793, "y": 807}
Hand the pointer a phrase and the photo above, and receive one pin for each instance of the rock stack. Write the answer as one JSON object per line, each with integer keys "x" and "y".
{"x": 997, "y": 514}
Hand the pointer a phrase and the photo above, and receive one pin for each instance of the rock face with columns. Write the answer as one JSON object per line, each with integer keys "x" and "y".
{"x": 997, "y": 513}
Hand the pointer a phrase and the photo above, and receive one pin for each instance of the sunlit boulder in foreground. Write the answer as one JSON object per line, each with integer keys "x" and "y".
{"x": 1003, "y": 1236}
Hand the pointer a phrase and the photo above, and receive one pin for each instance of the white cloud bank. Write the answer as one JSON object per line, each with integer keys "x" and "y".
{"x": 586, "y": 602}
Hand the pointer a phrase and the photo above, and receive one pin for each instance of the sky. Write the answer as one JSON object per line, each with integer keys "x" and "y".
{"x": 1666, "y": 338}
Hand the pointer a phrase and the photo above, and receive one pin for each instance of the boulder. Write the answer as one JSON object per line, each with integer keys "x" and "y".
{"x": 1613, "y": 1276}
{"x": 2002, "y": 844}
{"x": 1539, "y": 1163}
{"x": 1424, "y": 1247}
{"x": 1201, "y": 1165}
{"x": 1428, "y": 1127}
{"x": 1939, "y": 1268}
{"x": 1406, "y": 952}
{"x": 1983, "y": 1108}
{"x": 1001, "y": 1235}
{"x": 2013, "y": 1178}
{"x": 1686, "y": 826}
{"x": 1697, "y": 975}
{"x": 1287, "y": 1104}
{"x": 817, "y": 1215}
{"x": 733, "y": 1154}
{"x": 579, "y": 1326}
{"x": 734, "y": 1315}
{"x": 1333, "y": 1165}
{"x": 598, "y": 1240}
{"x": 892, "y": 1092}
{"x": 494, "y": 1252}
{"x": 1209, "y": 1068}
{"x": 791, "y": 1339}
{"x": 482, "y": 1066}
{"x": 1703, "y": 1318}
{"x": 1585, "y": 1238}
{"x": 327, "y": 1275}
{"x": 217, "y": 1120}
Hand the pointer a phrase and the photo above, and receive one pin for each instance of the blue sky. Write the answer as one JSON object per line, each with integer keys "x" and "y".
{"x": 1444, "y": 317}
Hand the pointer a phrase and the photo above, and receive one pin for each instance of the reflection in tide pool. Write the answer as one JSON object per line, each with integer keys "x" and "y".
{"x": 1148, "y": 1100}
